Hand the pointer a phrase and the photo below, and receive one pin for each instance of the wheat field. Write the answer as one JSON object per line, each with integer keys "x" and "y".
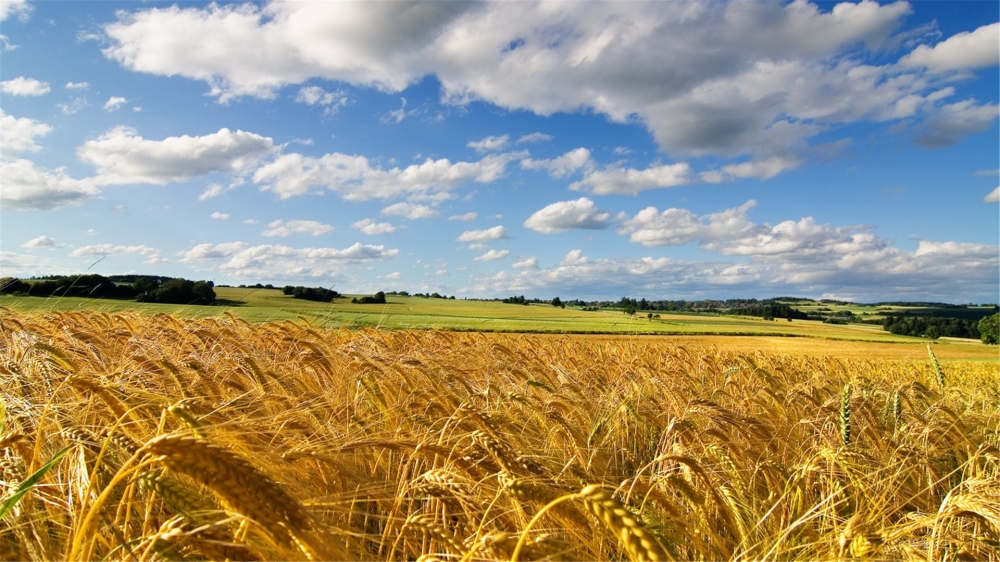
{"x": 134, "y": 437}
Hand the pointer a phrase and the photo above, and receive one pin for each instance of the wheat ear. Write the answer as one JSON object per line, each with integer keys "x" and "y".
{"x": 237, "y": 483}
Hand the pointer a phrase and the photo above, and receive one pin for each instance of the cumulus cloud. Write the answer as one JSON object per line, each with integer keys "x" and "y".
{"x": 490, "y": 234}
{"x": 564, "y": 165}
{"x": 355, "y": 179}
{"x": 492, "y": 255}
{"x": 934, "y": 270}
{"x": 284, "y": 262}
{"x": 18, "y": 135}
{"x": 371, "y": 228}
{"x": 220, "y": 216}
{"x": 952, "y": 122}
{"x": 114, "y": 103}
{"x": 152, "y": 255}
{"x": 40, "y": 242}
{"x": 632, "y": 181}
{"x": 489, "y": 144}
{"x": 27, "y": 186}
{"x": 25, "y": 87}
{"x": 211, "y": 252}
{"x": 280, "y": 228}
{"x": 411, "y": 211}
{"x": 993, "y": 196}
{"x": 568, "y": 215}
{"x": 20, "y": 8}
{"x": 751, "y": 79}
{"x": 77, "y": 85}
{"x": 465, "y": 217}
{"x": 121, "y": 156}
{"x": 331, "y": 102}
{"x": 526, "y": 263}
{"x": 966, "y": 50}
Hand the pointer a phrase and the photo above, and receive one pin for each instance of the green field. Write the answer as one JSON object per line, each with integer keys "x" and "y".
{"x": 264, "y": 305}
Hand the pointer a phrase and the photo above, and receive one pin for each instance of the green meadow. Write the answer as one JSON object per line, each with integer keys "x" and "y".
{"x": 268, "y": 305}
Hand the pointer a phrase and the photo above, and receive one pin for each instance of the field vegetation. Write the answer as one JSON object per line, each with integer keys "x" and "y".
{"x": 418, "y": 312}
{"x": 130, "y": 436}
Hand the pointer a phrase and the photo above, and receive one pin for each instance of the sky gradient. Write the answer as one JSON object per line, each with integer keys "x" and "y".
{"x": 594, "y": 150}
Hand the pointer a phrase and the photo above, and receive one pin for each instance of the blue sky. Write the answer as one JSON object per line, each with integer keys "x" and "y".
{"x": 591, "y": 150}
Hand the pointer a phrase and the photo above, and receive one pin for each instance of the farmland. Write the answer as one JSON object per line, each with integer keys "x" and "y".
{"x": 407, "y": 312}
{"x": 154, "y": 436}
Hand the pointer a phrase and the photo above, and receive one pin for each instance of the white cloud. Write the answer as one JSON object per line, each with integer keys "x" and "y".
{"x": 948, "y": 124}
{"x": 410, "y": 210}
{"x": 77, "y": 85}
{"x": 568, "y": 215}
{"x": 466, "y": 217}
{"x": 250, "y": 221}
{"x": 966, "y": 50}
{"x": 396, "y": 116}
{"x": 211, "y": 252}
{"x": 935, "y": 270}
{"x": 18, "y": 135}
{"x": 763, "y": 168}
{"x": 492, "y": 255}
{"x": 40, "y": 242}
{"x": 220, "y": 216}
{"x": 277, "y": 262}
{"x": 6, "y": 46}
{"x": 563, "y": 166}
{"x": 282, "y": 229}
{"x": 371, "y": 228}
{"x": 315, "y": 95}
{"x": 152, "y": 254}
{"x": 27, "y": 186}
{"x": 993, "y": 196}
{"x": 526, "y": 263}
{"x": 213, "y": 190}
{"x": 355, "y": 179}
{"x": 631, "y": 181}
{"x": 114, "y": 103}
{"x": 496, "y": 233}
{"x": 489, "y": 144}
{"x": 719, "y": 78}
{"x": 27, "y": 87}
{"x": 72, "y": 107}
{"x": 121, "y": 156}
{"x": 20, "y": 8}
{"x": 534, "y": 137}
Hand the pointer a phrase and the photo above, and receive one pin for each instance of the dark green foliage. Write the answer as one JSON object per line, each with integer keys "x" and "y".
{"x": 931, "y": 327}
{"x": 989, "y": 329}
{"x": 181, "y": 291}
{"x": 87, "y": 286}
{"x": 318, "y": 294}
{"x": 378, "y": 298}
{"x": 10, "y": 285}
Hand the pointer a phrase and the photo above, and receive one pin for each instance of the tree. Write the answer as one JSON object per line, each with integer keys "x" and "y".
{"x": 989, "y": 329}
{"x": 558, "y": 302}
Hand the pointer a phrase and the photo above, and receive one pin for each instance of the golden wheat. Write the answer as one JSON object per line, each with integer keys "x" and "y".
{"x": 214, "y": 438}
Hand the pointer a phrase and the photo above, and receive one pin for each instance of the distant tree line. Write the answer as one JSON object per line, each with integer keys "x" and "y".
{"x": 142, "y": 288}
{"x": 377, "y": 298}
{"x": 318, "y": 294}
{"x": 931, "y": 327}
